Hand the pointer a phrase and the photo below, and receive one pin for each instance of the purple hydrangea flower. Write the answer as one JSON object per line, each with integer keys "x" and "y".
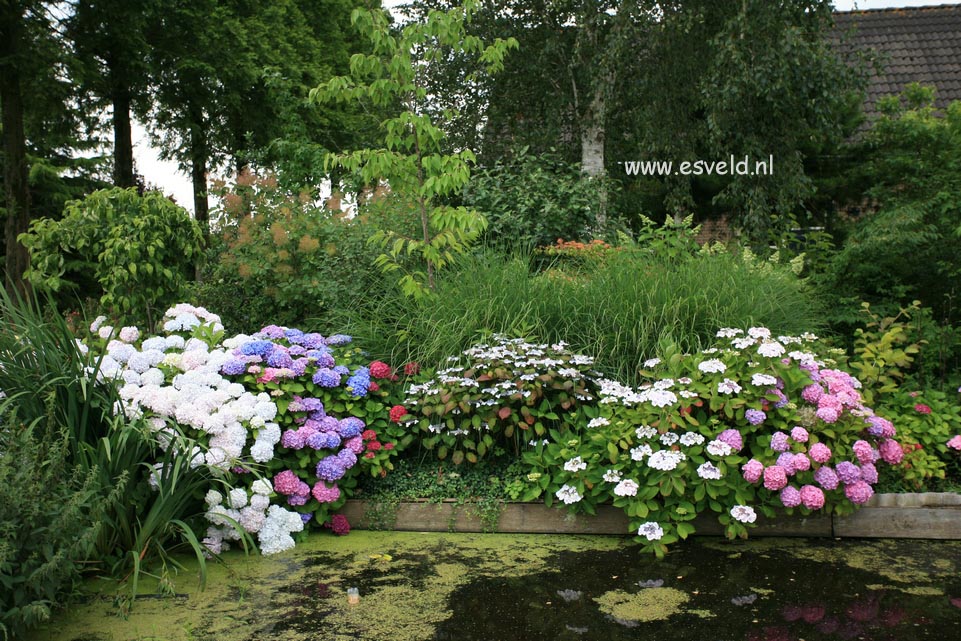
{"x": 293, "y": 332}
{"x": 790, "y": 496}
{"x": 786, "y": 460}
{"x": 338, "y": 339}
{"x": 848, "y": 472}
{"x": 297, "y": 499}
{"x": 826, "y": 478}
{"x": 755, "y": 417}
{"x": 880, "y": 427}
{"x": 779, "y": 442}
{"x": 279, "y": 358}
{"x": 272, "y": 331}
{"x": 331, "y": 468}
{"x": 812, "y": 393}
{"x": 292, "y": 439}
{"x": 323, "y": 440}
{"x": 733, "y": 438}
{"x": 309, "y": 341}
{"x": 299, "y": 366}
{"x": 306, "y": 517}
{"x": 347, "y": 458}
{"x": 326, "y": 377}
{"x": 869, "y": 473}
{"x": 341, "y": 369}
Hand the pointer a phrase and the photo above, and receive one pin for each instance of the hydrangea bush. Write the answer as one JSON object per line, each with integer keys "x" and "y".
{"x": 753, "y": 424}
{"x": 285, "y": 419}
{"x": 499, "y": 396}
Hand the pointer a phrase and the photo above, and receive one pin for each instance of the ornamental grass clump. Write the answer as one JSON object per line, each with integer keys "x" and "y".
{"x": 755, "y": 424}
{"x": 499, "y": 397}
{"x": 281, "y": 420}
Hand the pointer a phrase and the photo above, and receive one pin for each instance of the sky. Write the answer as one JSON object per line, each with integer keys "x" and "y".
{"x": 175, "y": 183}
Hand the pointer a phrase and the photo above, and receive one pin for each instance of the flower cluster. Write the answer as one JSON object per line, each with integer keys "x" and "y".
{"x": 755, "y": 422}
{"x": 258, "y": 402}
{"x": 495, "y": 392}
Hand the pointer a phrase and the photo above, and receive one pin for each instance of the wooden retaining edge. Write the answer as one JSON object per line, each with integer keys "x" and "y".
{"x": 906, "y": 516}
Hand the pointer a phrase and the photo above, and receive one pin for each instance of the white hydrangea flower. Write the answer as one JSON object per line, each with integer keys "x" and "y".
{"x": 568, "y": 494}
{"x": 651, "y": 530}
{"x": 669, "y": 438}
{"x": 600, "y": 421}
{"x": 744, "y": 513}
{"x": 727, "y": 386}
{"x": 719, "y": 448}
{"x": 665, "y": 460}
{"x": 645, "y": 432}
{"x": 759, "y": 332}
{"x": 97, "y": 322}
{"x": 728, "y": 332}
{"x": 691, "y": 438}
{"x": 708, "y": 471}
{"x": 763, "y": 380}
{"x": 612, "y": 476}
{"x": 261, "y": 487}
{"x": 627, "y": 487}
{"x": 129, "y": 334}
{"x": 652, "y": 362}
{"x": 576, "y": 464}
{"x": 771, "y": 349}
{"x": 712, "y": 366}
{"x": 237, "y": 498}
{"x": 638, "y": 453}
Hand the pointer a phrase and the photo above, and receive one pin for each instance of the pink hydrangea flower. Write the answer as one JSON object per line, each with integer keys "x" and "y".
{"x": 812, "y": 497}
{"x": 820, "y": 452}
{"x": 864, "y": 452}
{"x": 324, "y": 493}
{"x": 752, "y": 470}
{"x": 859, "y": 493}
{"x": 955, "y": 443}
{"x": 799, "y": 434}
{"x": 812, "y": 393}
{"x": 775, "y": 478}
{"x": 891, "y": 452}
{"x": 286, "y": 483}
{"x": 801, "y": 463}
{"x": 779, "y": 442}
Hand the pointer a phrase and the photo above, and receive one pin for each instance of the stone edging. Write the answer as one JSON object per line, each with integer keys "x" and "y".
{"x": 907, "y": 516}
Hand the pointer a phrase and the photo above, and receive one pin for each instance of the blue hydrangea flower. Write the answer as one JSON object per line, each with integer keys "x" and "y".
{"x": 338, "y": 339}
{"x": 306, "y": 517}
{"x": 256, "y": 348}
{"x": 323, "y": 440}
{"x": 342, "y": 370}
{"x": 755, "y": 417}
{"x": 326, "y": 377}
{"x": 350, "y": 427}
{"x": 293, "y": 332}
{"x": 233, "y": 367}
{"x": 347, "y": 458}
{"x": 359, "y": 382}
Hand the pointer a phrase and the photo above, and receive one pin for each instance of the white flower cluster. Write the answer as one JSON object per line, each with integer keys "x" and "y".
{"x": 665, "y": 460}
{"x": 524, "y": 361}
{"x": 651, "y": 530}
{"x": 196, "y": 396}
{"x": 743, "y": 513}
{"x": 568, "y": 494}
{"x": 658, "y": 394}
{"x": 248, "y": 512}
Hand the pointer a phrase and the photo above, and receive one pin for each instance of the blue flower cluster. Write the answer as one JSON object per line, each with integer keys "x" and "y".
{"x": 359, "y": 383}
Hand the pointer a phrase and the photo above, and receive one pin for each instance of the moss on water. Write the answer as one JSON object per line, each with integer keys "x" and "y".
{"x": 650, "y": 604}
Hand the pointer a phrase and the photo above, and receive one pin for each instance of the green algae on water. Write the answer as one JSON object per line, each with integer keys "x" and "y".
{"x": 650, "y": 604}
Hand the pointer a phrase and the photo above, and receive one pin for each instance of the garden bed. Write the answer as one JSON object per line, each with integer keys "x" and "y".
{"x": 929, "y": 515}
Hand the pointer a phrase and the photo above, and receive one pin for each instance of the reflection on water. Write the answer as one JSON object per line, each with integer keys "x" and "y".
{"x": 754, "y": 592}
{"x": 459, "y": 587}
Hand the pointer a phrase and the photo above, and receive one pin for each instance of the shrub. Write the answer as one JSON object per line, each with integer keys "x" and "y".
{"x": 258, "y": 416}
{"x": 498, "y": 396}
{"x": 49, "y": 511}
{"x": 140, "y": 251}
{"x": 753, "y": 423}
{"x": 281, "y": 258}
{"x": 531, "y": 201}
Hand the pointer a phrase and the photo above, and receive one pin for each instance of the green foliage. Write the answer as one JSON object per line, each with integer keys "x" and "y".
{"x": 49, "y": 520}
{"x": 905, "y": 250}
{"x": 621, "y": 313}
{"x": 884, "y": 350}
{"x": 533, "y": 200}
{"x": 925, "y": 422}
{"x": 282, "y": 258}
{"x": 411, "y": 161}
{"x": 140, "y": 250}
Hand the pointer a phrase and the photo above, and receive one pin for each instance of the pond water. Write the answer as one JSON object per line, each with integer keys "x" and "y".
{"x": 473, "y": 587}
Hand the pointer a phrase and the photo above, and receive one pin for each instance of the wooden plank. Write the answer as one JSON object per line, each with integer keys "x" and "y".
{"x": 901, "y": 522}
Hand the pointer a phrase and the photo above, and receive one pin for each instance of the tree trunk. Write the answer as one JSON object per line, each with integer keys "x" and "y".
{"x": 198, "y": 175}
{"x": 593, "y": 138}
{"x": 123, "y": 175}
{"x": 16, "y": 188}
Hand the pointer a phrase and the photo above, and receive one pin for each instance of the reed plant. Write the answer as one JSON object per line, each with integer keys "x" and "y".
{"x": 625, "y": 310}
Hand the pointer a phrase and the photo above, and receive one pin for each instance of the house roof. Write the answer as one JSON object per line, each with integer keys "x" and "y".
{"x": 917, "y": 44}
